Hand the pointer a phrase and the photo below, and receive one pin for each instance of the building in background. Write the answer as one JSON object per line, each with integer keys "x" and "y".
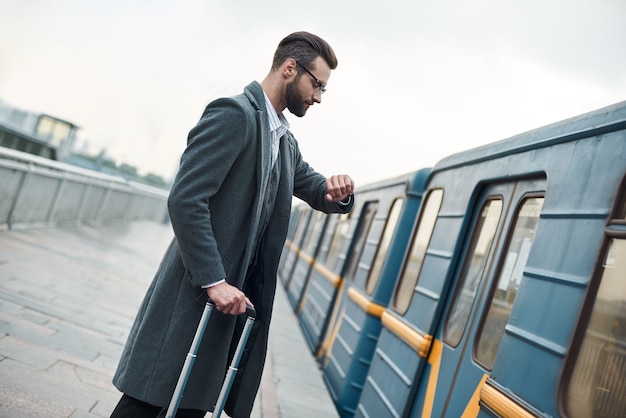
{"x": 54, "y": 138}
{"x": 36, "y": 133}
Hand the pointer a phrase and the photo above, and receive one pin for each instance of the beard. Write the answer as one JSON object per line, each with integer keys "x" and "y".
{"x": 295, "y": 103}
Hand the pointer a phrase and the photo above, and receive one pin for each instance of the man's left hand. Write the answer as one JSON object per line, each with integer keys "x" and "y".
{"x": 339, "y": 187}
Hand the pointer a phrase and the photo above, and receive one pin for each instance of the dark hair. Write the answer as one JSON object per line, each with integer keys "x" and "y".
{"x": 305, "y": 48}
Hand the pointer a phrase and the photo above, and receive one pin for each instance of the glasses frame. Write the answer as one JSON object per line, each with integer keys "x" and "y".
{"x": 321, "y": 88}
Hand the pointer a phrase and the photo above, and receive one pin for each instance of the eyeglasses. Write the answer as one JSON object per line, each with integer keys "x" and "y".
{"x": 321, "y": 88}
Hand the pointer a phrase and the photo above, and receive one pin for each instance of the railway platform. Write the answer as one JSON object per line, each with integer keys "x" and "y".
{"x": 68, "y": 297}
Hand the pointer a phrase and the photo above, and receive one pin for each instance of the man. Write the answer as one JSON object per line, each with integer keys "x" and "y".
{"x": 229, "y": 207}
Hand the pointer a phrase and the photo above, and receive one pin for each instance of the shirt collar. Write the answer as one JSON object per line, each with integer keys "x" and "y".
{"x": 278, "y": 122}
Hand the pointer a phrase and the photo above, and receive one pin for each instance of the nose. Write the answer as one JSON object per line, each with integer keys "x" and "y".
{"x": 317, "y": 96}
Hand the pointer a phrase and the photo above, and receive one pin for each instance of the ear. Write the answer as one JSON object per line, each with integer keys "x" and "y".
{"x": 289, "y": 68}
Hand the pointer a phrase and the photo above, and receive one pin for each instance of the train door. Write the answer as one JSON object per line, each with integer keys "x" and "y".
{"x": 298, "y": 283}
{"x": 293, "y": 245}
{"x": 595, "y": 372}
{"x": 494, "y": 256}
{"x": 359, "y": 241}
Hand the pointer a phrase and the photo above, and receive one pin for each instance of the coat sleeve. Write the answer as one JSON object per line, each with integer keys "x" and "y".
{"x": 310, "y": 186}
{"x": 213, "y": 146}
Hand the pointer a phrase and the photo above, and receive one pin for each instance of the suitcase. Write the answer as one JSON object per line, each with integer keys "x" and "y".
{"x": 191, "y": 357}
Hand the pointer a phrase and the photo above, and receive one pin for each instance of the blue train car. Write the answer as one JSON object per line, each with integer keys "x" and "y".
{"x": 303, "y": 265}
{"x": 338, "y": 260}
{"x": 511, "y": 297}
{"x": 358, "y": 327}
{"x": 298, "y": 224}
{"x": 321, "y": 279}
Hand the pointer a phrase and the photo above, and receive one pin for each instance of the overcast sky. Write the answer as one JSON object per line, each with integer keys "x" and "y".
{"x": 416, "y": 81}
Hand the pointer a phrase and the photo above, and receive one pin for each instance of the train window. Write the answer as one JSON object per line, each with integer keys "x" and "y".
{"x": 597, "y": 386}
{"x": 472, "y": 271}
{"x": 383, "y": 246}
{"x": 508, "y": 281}
{"x": 294, "y": 235}
{"x": 369, "y": 211}
{"x": 293, "y": 225}
{"x": 413, "y": 262}
{"x": 313, "y": 236}
{"x": 339, "y": 234}
{"x": 300, "y": 227}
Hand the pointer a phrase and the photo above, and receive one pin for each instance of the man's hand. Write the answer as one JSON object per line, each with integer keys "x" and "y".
{"x": 228, "y": 299}
{"x": 339, "y": 188}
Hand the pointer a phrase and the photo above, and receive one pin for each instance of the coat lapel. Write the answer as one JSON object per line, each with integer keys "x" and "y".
{"x": 254, "y": 93}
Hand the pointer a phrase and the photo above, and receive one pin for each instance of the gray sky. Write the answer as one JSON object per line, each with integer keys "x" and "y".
{"x": 416, "y": 81}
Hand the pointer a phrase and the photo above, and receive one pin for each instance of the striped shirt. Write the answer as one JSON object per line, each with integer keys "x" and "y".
{"x": 278, "y": 127}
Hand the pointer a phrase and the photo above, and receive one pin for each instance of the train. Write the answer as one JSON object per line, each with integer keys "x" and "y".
{"x": 492, "y": 284}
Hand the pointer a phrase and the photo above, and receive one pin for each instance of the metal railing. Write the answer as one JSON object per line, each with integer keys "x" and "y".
{"x": 37, "y": 192}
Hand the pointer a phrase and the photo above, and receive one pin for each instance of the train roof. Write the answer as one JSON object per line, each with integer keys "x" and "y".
{"x": 411, "y": 179}
{"x": 606, "y": 119}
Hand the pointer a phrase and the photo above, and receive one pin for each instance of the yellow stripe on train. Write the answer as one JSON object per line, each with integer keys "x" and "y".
{"x": 500, "y": 403}
{"x": 364, "y": 303}
{"x": 307, "y": 258}
{"x": 328, "y": 274}
{"x": 420, "y": 343}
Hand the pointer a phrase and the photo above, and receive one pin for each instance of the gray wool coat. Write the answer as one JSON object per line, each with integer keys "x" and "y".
{"x": 215, "y": 206}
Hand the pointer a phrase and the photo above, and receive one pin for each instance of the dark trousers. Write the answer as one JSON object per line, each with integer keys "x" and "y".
{"x": 129, "y": 407}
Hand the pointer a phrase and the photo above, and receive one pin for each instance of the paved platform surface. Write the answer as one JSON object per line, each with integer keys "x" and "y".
{"x": 68, "y": 297}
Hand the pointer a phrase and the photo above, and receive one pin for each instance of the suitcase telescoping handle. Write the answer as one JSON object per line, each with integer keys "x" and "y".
{"x": 234, "y": 364}
{"x": 191, "y": 357}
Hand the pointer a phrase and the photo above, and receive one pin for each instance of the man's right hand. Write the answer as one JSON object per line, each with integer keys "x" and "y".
{"x": 228, "y": 299}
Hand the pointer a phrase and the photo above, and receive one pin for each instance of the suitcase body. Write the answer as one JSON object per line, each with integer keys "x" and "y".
{"x": 191, "y": 357}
